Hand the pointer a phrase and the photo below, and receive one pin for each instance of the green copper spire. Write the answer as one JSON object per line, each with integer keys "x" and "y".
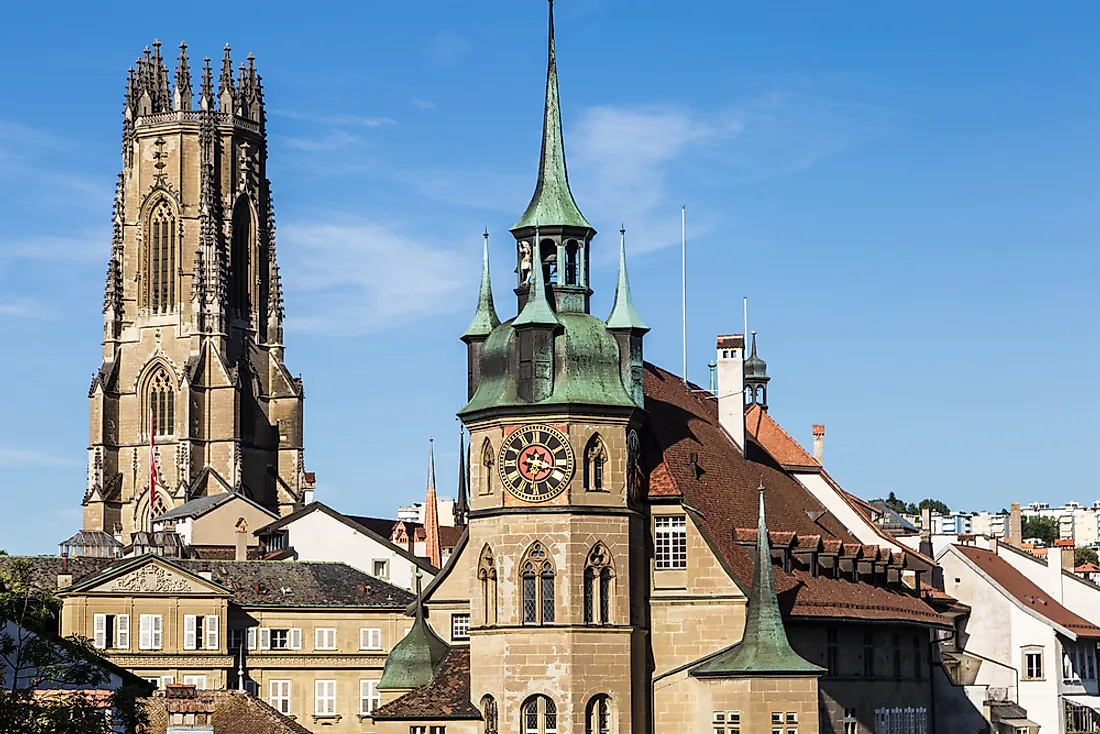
{"x": 623, "y": 315}
{"x": 553, "y": 203}
{"x": 485, "y": 320}
{"x": 413, "y": 661}
{"x": 537, "y": 311}
{"x": 764, "y": 648}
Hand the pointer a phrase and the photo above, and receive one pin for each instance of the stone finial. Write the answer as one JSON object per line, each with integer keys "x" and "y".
{"x": 182, "y": 96}
{"x": 226, "y": 90}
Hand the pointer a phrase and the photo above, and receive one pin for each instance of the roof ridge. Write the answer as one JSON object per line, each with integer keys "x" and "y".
{"x": 765, "y": 414}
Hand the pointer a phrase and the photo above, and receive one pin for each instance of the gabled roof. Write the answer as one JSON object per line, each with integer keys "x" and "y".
{"x": 447, "y": 697}
{"x": 129, "y": 565}
{"x": 231, "y": 711}
{"x": 202, "y": 505}
{"x": 770, "y": 435}
{"x": 367, "y": 526}
{"x": 1025, "y": 592}
{"x": 721, "y": 487}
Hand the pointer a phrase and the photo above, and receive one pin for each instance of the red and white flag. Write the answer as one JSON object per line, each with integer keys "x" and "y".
{"x": 152, "y": 466}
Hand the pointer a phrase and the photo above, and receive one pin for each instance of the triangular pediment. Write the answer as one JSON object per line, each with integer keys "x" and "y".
{"x": 149, "y": 575}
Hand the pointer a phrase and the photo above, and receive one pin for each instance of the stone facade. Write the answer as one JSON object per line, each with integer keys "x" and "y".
{"x": 192, "y": 343}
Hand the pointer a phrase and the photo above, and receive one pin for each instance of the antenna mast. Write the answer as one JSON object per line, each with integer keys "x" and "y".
{"x": 746, "y": 317}
{"x": 683, "y": 285}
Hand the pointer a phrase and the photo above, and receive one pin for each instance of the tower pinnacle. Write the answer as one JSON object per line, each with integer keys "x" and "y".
{"x": 433, "y": 547}
{"x": 552, "y": 203}
{"x": 485, "y": 319}
{"x": 623, "y": 315}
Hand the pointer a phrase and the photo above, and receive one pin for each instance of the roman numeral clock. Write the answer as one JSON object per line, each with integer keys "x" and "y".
{"x": 536, "y": 463}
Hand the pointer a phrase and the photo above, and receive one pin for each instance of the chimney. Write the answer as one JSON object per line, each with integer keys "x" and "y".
{"x": 1015, "y": 526}
{"x": 731, "y": 386}
{"x": 926, "y": 547}
{"x": 1067, "y": 548}
{"x": 819, "y": 442}
{"x": 240, "y": 541}
{"x": 65, "y": 577}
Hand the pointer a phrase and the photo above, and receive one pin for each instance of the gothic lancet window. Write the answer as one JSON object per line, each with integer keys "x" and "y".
{"x": 540, "y": 716}
{"x": 537, "y": 581}
{"x": 595, "y": 458}
{"x": 161, "y": 263}
{"x": 241, "y": 258}
{"x": 598, "y": 575}
{"x": 598, "y": 716}
{"x": 486, "y": 468}
{"x": 489, "y": 714}
{"x": 487, "y": 575}
{"x": 162, "y": 402}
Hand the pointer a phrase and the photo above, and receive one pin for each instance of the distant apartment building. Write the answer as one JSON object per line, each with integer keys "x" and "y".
{"x": 1077, "y": 522}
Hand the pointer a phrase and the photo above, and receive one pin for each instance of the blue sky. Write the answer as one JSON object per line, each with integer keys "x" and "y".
{"x": 907, "y": 193}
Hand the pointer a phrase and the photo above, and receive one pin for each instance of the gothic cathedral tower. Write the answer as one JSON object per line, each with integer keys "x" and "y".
{"x": 555, "y": 404}
{"x": 192, "y": 380}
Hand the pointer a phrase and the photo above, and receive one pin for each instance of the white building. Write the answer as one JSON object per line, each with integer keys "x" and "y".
{"x": 319, "y": 533}
{"x": 1031, "y": 637}
{"x": 415, "y": 512}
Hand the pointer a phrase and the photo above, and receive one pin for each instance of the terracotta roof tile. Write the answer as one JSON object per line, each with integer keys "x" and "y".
{"x": 777, "y": 442}
{"x": 662, "y": 483}
{"x": 1025, "y": 591}
{"x": 722, "y": 491}
{"x": 233, "y": 712}
{"x": 446, "y": 697}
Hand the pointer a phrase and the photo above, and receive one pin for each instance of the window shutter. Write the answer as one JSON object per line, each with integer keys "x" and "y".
{"x": 158, "y": 629}
{"x": 318, "y": 638}
{"x": 190, "y": 622}
{"x": 251, "y": 638}
{"x": 211, "y": 629}
{"x": 166, "y": 680}
{"x": 100, "y": 623}
{"x": 265, "y": 638}
{"x": 122, "y": 632}
{"x": 145, "y": 633}
{"x": 296, "y": 638}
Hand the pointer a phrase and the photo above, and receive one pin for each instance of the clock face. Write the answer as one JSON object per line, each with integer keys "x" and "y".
{"x": 536, "y": 463}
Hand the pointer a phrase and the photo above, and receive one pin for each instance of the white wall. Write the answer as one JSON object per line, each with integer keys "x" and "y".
{"x": 857, "y": 524}
{"x": 319, "y": 537}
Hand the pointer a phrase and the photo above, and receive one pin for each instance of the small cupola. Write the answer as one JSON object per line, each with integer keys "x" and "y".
{"x": 756, "y": 378}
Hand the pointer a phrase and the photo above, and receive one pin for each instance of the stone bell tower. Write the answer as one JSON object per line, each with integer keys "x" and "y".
{"x": 192, "y": 380}
{"x": 556, "y": 521}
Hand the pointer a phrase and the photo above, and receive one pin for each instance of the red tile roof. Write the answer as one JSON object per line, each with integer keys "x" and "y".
{"x": 1025, "y": 591}
{"x": 1087, "y": 568}
{"x": 722, "y": 491}
{"x": 765, "y": 431}
{"x": 446, "y": 697}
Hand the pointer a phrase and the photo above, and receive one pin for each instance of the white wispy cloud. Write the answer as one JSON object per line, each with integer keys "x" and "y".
{"x": 90, "y": 246}
{"x": 31, "y": 457}
{"x": 23, "y": 308}
{"x": 329, "y": 141}
{"x": 361, "y": 276}
{"x": 338, "y": 120}
{"x": 422, "y": 104}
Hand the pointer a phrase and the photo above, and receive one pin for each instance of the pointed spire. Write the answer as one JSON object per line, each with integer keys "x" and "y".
{"x": 462, "y": 505}
{"x": 764, "y": 647}
{"x": 485, "y": 319}
{"x": 552, "y": 203}
{"x": 432, "y": 547}
{"x": 416, "y": 657}
{"x": 756, "y": 377}
{"x": 182, "y": 97}
{"x": 226, "y": 91}
{"x": 623, "y": 315}
{"x": 206, "y": 91}
{"x": 537, "y": 311}
{"x": 159, "y": 77}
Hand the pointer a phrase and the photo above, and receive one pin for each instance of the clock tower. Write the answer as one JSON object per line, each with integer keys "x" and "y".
{"x": 558, "y": 626}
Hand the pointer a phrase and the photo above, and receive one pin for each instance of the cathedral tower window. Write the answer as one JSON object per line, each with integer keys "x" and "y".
{"x": 241, "y": 258}
{"x": 489, "y": 714}
{"x": 548, "y": 255}
{"x": 487, "y": 575}
{"x": 161, "y": 397}
{"x": 540, "y": 716}
{"x": 598, "y": 576}
{"x": 595, "y": 457}
{"x": 486, "y": 468}
{"x": 537, "y": 580}
{"x": 598, "y": 716}
{"x": 161, "y": 263}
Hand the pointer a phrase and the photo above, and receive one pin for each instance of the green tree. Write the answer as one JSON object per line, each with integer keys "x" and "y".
{"x": 934, "y": 505}
{"x": 1043, "y": 528}
{"x": 36, "y": 665}
{"x": 894, "y": 503}
{"x": 1085, "y": 555}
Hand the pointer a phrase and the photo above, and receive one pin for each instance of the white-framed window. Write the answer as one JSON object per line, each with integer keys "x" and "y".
{"x": 200, "y": 632}
{"x": 151, "y": 632}
{"x": 670, "y": 542}
{"x": 1033, "y": 663}
{"x": 460, "y": 626}
{"x": 111, "y": 631}
{"x": 418, "y": 729}
{"x": 324, "y": 697}
{"x": 122, "y": 632}
{"x": 381, "y": 568}
{"x": 911, "y": 720}
{"x": 324, "y": 638}
{"x": 437, "y": 730}
{"x": 726, "y": 722}
{"x": 198, "y": 681}
{"x": 99, "y": 631}
{"x": 278, "y": 695}
{"x": 369, "y": 697}
{"x": 370, "y": 638}
{"x": 167, "y": 680}
{"x": 280, "y": 638}
{"x": 242, "y": 637}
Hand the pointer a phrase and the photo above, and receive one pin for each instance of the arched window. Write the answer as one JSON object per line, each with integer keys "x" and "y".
{"x": 161, "y": 265}
{"x": 548, "y": 255}
{"x": 595, "y": 457}
{"x": 486, "y": 468}
{"x": 489, "y": 714}
{"x": 162, "y": 402}
{"x": 540, "y": 716}
{"x": 597, "y": 718}
{"x": 537, "y": 581}
{"x": 598, "y": 574}
{"x": 571, "y": 273}
{"x": 241, "y": 258}
{"x": 487, "y": 574}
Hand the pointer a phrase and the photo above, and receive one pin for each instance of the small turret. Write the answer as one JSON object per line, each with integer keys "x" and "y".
{"x": 485, "y": 320}
{"x": 628, "y": 328}
{"x": 535, "y": 327}
{"x": 206, "y": 91}
{"x": 756, "y": 378}
{"x": 182, "y": 97}
{"x": 413, "y": 661}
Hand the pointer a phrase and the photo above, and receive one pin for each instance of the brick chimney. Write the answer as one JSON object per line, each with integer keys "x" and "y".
{"x": 819, "y": 441}
{"x": 64, "y": 576}
{"x": 1015, "y": 526}
{"x": 731, "y": 386}
{"x": 1066, "y": 548}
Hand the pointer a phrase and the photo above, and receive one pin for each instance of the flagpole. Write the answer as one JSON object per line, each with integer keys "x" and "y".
{"x": 152, "y": 466}
{"x": 683, "y": 286}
